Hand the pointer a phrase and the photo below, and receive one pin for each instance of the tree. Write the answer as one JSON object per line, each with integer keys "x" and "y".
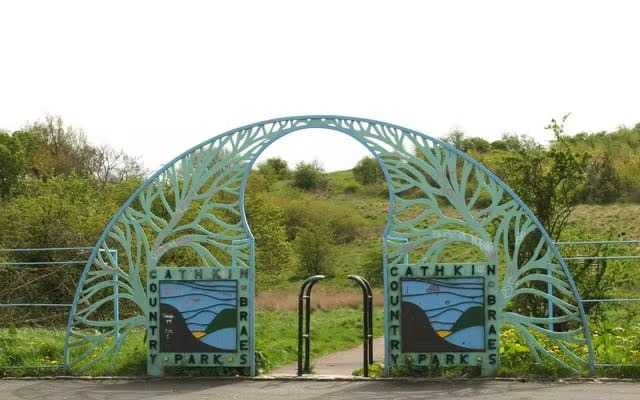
{"x": 603, "y": 184}
{"x": 59, "y": 212}
{"x": 11, "y": 165}
{"x": 273, "y": 252}
{"x": 367, "y": 171}
{"x": 52, "y": 149}
{"x": 475, "y": 144}
{"x": 275, "y": 167}
{"x": 547, "y": 180}
{"x": 372, "y": 266}
{"x": 111, "y": 165}
{"x": 313, "y": 245}
{"x": 309, "y": 176}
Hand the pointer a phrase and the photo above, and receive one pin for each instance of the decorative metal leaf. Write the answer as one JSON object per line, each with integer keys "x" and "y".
{"x": 444, "y": 206}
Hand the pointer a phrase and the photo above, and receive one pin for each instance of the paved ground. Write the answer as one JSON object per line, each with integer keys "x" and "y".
{"x": 340, "y": 363}
{"x": 308, "y": 390}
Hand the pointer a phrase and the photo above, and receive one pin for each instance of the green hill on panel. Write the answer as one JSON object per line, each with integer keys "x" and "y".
{"x": 473, "y": 316}
{"x": 227, "y": 318}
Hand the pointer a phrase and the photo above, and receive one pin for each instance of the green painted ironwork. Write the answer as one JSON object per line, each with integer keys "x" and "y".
{"x": 441, "y": 202}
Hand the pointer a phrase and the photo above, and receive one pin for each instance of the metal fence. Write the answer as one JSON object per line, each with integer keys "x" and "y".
{"x": 77, "y": 257}
{"x": 603, "y": 246}
{"x": 45, "y": 259}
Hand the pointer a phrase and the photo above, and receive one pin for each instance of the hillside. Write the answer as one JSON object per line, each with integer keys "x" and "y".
{"x": 362, "y": 210}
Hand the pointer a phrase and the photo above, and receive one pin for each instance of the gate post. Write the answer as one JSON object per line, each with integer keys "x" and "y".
{"x": 367, "y": 322}
{"x": 304, "y": 318}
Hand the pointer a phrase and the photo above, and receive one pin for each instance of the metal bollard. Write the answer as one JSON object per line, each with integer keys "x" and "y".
{"x": 304, "y": 321}
{"x": 367, "y": 322}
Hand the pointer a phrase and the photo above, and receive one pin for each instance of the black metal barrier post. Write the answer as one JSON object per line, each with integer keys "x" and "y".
{"x": 304, "y": 320}
{"x": 367, "y": 322}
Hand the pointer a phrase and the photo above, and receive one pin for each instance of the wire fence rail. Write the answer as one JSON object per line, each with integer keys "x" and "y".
{"x": 74, "y": 260}
{"x": 75, "y": 252}
{"x": 592, "y": 260}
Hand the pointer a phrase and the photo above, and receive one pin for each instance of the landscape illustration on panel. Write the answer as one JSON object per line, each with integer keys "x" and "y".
{"x": 198, "y": 316}
{"x": 442, "y": 315}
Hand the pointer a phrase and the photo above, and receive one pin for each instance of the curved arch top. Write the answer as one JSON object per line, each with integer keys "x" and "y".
{"x": 441, "y": 202}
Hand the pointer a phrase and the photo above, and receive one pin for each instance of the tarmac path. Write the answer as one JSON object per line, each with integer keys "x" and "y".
{"x": 190, "y": 389}
{"x": 341, "y": 363}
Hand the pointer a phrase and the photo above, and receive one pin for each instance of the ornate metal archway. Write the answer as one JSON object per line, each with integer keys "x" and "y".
{"x": 441, "y": 203}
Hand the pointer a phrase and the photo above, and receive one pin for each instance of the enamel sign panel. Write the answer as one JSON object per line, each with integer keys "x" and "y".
{"x": 199, "y": 317}
{"x": 443, "y": 315}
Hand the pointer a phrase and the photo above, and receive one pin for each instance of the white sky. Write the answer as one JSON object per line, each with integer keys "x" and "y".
{"x": 155, "y": 78}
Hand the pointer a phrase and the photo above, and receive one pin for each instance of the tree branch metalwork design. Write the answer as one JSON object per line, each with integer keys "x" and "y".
{"x": 440, "y": 201}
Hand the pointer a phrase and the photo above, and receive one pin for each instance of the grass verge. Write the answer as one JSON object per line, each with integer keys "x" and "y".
{"x": 39, "y": 352}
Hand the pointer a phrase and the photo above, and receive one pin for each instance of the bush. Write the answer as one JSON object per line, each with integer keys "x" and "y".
{"x": 603, "y": 182}
{"x": 367, "y": 171}
{"x": 344, "y": 225}
{"x": 309, "y": 176}
{"x": 372, "y": 266}
{"x": 275, "y": 168}
{"x": 351, "y": 189}
{"x": 313, "y": 246}
{"x": 273, "y": 252}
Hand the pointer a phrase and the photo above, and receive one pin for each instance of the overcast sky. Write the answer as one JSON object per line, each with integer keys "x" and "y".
{"x": 155, "y": 78}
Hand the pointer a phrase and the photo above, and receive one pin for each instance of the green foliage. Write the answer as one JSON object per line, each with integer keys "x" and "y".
{"x": 59, "y": 212}
{"x": 458, "y": 139}
{"x": 372, "y": 266}
{"x": 548, "y": 181}
{"x": 273, "y": 251}
{"x": 622, "y": 147}
{"x": 48, "y": 149}
{"x": 376, "y": 370}
{"x": 514, "y": 142}
{"x": 275, "y": 168}
{"x": 11, "y": 165}
{"x": 309, "y": 176}
{"x": 59, "y": 191}
{"x": 344, "y": 225}
{"x": 367, "y": 171}
{"x": 33, "y": 352}
{"x": 56, "y": 190}
{"x": 455, "y": 138}
{"x": 603, "y": 184}
{"x": 313, "y": 246}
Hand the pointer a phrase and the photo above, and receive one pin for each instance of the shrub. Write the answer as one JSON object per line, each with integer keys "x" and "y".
{"x": 309, "y": 176}
{"x": 297, "y": 216}
{"x": 345, "y": 226}
{"x": 273, "y": 252}
{"x": 372, "y": 266}
{"x": 313, "y": 246}
{"x": 603, "y": 182}
{"x": 275, "y": 168}
{"x": 367, "y": 171}
{"x": 351, "y": 189}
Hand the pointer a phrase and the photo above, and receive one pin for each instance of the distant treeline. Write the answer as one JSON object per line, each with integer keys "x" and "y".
{"x": 59, "y": 190}
{"x": 612, "y": 159}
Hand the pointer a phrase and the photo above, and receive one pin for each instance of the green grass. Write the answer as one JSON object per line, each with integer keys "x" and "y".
{"x": 39, "y": 352}
{"x": 616, "y": 328}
